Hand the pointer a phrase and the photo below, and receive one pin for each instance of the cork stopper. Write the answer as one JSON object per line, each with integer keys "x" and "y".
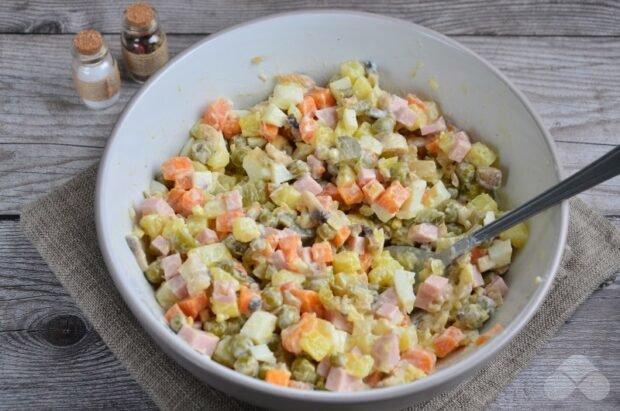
{"x": 140, "y": 15}
{"x": 88, "y": 42}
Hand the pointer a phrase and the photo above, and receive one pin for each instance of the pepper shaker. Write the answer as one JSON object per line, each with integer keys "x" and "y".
{"x": 145, "y": 48}
{"x": 95, "y": 72}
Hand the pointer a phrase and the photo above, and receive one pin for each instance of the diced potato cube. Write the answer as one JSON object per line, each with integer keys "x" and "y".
{"x": 432, "y": 111}
{"x": 352, "y": 69}
{"x": 483, "y": 203}
{"x": 165, "y": 297}
{"x": 284, "y": 276}
{"x": 394, "y": 144}
{"x": 480, "y": 155}
{"x": 346, "y": 176}
{"x": 212, "y": 254}
{"x": 224, "y": 311}
{"x": 153, "y": 224}
{"x": 446, "y": 141}
{"x": 339, "y": 341}
{"x": 286, "y": 194}
{"x": 408, "y": 337}
{"x": 341, "y": 88}
{"x": 348, "y": 121}
{"x": 485, "y": 263}
{"x": 316, "y": 344}
{"x": 286, "y": 95}
{"x": 403, "y": 284}
{"x": 437, "y": 195}
{"x": 245, "y": 229}
{"x": 517, "y": 235}
{"x": 263, "y": 354}
{"x": 196, "y": 275}
{"x": 260, "y": 326}
{"x": 279, "y": 173}
{"x": 257, "y": 165}
{"x": 500, "y": 252}
{"x": 325, "y": 137}
{"x": 362, "y": 88}
{"x": 359, "y": 366}
{"x": 413, "y": 205}
{"x": 425, "y": 169}
{"x": 204, "y": 181}
{"x": 371, "y": 144}
{"x": 347, "y": 262}
{"x": 364, "y": 130}
{"x": 251, "y": 125}
{"x": 273, "y": 115}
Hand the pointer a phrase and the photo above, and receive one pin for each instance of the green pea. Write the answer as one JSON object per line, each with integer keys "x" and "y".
{"x": 288, "y": 316}
{"x": 240, "y": 345}
{"x": 272, "y": 298}
{"x": 247, "y": 365}
{"x": 303, "y": 370}
{"x": 472, "y": 316}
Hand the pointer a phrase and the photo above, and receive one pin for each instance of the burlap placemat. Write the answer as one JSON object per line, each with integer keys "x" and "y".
{"x": 62, "y": 228}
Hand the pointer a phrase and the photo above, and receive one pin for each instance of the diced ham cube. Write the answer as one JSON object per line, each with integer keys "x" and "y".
{"x": 224, "y": 292}
{"x": 340, "y": 381}
{"x": 307, "y": 183}
{"x": 328, "y": 115}
{"x": 423, "y": 233}
{"x": 389, "y": 296}
{"x": 300, "y": 385}
{"x": 478, "y": 280}
{"x": 390, "y": 312}
{"x": 306, "y": 254}
{"x": 365, "y": 176}
{"x": 399, "y": 109}
{"x": 160, "y": 246}
{"x": 324, "y": 366}
{"x": 200, "y": 341}
{"x": 233, "y": 200}
{"x": 178, "y": 286}
{"x": 434, "y": 127}
{"x": 431, "y": 291}
{"x": 278, "y": 155}
{"x": 316, "y": 166}
{"x": 386, "y": 352}
{"x": 356, "y": 244}
{"x": 327, "y": 203}
{"x": 338, "y": 320}
{"x": 278, "y": 260}
{"x": 155, "y": 205}
{"x": 460, "y": 148}
{"x": 207, "y": 236}
{"x": 170, "y": 265}
{"x": 497, "y": 286}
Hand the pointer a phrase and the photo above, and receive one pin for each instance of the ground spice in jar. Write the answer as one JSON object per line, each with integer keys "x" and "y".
{"x": 95, "y": 72}
{"x": 145, "y": 48}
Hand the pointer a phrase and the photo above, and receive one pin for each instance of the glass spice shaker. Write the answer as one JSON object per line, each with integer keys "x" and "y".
{"x": 95, "y": 72}
{"x": 145, "y": 48}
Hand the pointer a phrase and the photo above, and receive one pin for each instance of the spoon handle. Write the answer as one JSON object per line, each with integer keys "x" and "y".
{"x": 600, "y": 170}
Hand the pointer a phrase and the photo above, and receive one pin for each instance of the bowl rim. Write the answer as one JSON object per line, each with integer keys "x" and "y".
{"x": 169, "y": 341}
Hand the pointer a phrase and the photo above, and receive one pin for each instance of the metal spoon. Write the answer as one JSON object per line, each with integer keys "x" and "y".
{"x": 603, "y": 169}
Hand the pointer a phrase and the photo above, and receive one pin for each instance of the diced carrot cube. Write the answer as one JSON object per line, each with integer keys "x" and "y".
{"x": 216, "y": 113}
{"x": 272, "y": 240}
{"x": 476, "y": 253}
{"x": 413, "y": 99}
{"x": 173, "y": 312}
{"x": 224, "y": 222}
{"x": 193, "y": 305}
{"x": 322, "y": 97}
{"x": 290, "y": 246}
{"x": 351, "y": 194}
{"x": 372, "y": 190}
{"x": 175, "y": 199}
{"x": 365, "y": 261}
{"x": 176, "y": 166}
{"x": 192, "y": 198}
{"x": 246, "y": 298}
{"x": 322, "y": 252}
{"x": 231, "y": 126}
{"x": 269, "y": 131}
{"x": 393, "y": 198}
{"x": 278, "y": 377}
{"x": 490, "y": 333}
{"x": 292, "y": 334}
{"x": 307, "y": 128}
{"x": 331, "y": 190}
{"x": 310, "y": 302}
{"x": 448, "y": 341}
{"x": 341, "y": 236}
{"x": 420, "y": 358}
{"x": 432, "y": 146}
{"x": 307, "y": 106}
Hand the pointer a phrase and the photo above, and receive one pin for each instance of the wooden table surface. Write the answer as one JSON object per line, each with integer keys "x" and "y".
{"x": 565, "y": 56}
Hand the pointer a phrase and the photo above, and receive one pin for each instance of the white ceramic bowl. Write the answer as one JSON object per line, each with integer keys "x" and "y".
{"x": 471, "y": 93}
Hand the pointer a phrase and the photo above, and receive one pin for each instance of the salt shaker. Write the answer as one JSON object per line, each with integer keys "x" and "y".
{"x": 95, "y": 72}
{"x": 145, "y": 48}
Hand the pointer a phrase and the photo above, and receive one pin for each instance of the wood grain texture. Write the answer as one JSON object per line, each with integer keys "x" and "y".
{"x": 504, "y": 17}
{"x": 37, "y": 369}
{"x": 47, "y": 135}
{"x": 35, "y": 374}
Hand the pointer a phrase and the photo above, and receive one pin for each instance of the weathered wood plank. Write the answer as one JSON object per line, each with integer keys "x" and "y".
{"x": 47, "y": 136}
{"x": 520, "y": 17}
{"x": 51, "y": 358}
{"x": 36, "y": 374}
